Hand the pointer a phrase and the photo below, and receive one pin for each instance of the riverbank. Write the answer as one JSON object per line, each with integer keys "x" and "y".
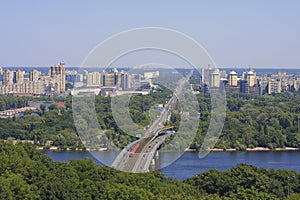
{"x": 256, "y": 149}
{"x": 54, "y": 148}
{"x": 57, "y": 148}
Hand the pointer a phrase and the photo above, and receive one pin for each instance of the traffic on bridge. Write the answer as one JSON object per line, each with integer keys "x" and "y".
{"x": 139, "y": 155}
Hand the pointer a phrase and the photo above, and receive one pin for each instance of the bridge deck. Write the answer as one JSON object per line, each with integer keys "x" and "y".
{"x": 131, "y": 161}
{"x": 140, "y": 161}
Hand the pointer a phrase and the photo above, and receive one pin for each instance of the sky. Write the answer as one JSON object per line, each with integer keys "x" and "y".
{"x": 235, "y": 33}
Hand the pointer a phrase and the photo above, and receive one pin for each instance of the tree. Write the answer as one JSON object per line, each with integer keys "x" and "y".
{"x": 43, "y": 108}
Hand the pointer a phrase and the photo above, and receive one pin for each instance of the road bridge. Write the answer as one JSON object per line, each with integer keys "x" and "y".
{"x": 141, "y": 160}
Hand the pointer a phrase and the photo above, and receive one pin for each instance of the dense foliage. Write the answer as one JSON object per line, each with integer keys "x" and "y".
{"x": 57, "y": 125}
{"x": 269, "y": 121}
{"x": 28, "y": 174}
{"x": 11, "y": 102}
{"x": 248, "y": 182}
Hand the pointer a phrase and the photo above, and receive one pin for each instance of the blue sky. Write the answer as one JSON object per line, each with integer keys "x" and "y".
{"x": 235, "y": 33}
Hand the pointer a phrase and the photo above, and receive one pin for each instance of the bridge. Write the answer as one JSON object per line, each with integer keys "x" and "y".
{"x": 139, "y": 155}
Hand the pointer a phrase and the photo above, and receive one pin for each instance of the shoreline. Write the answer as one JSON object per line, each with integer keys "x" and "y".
{"x": 57, "y": 149}
{"x": 76, "y": 149}
{"x": 256, "y": 149}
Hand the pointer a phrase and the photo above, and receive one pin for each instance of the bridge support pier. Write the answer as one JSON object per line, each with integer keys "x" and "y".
{"x": 156, "y": 154}
{"x": 152, "y": 165}
{"x": 153, "y": 162}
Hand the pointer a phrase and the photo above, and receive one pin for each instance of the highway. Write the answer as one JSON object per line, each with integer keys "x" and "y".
{"x": 141, "y": 160}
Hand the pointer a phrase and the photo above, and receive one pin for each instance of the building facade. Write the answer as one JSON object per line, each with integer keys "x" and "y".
{"x": 214, "y": 79}
{"x": 58, "y": 76}
{"x": 233, "y": 79}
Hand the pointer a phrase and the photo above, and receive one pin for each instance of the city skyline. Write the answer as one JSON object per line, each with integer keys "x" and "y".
{"x": 115, "y": 81}
{"x": 38, "y": 34}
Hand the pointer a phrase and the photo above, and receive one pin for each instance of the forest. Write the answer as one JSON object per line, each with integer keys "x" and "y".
{"x": 270, "y": 121}
{"x": 57, "y": 124}
{"x": 27, "y": 174}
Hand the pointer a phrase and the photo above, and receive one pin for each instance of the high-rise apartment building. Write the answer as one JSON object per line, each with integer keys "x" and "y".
{"x": 34, "y": 75}
{"x": 205, "y": 72}
{"x": 72, "y": 77}
{"x": 214, "y": 79}
{"x": 58, "y": 75}
{"x": 14, "y": 82}
{"x": 232, "y": 79}
{"x": 296, "y": 85}
{"x": 93, "y": 79}
{"x": 108, "y": 79}
{"x": 250, "y": 77}
{"x": 19, "y": 76}
{"x": 244, "y": 86}
{"x": 274, "y": 86}
{"x": 125, "y": 81}
{"x": 8, "y": 77}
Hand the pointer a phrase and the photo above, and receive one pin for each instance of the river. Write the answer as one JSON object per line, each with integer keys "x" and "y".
{"x": 189, "y": 164}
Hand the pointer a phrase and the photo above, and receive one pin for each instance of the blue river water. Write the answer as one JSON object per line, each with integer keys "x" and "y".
{"x": 189, "y": 164}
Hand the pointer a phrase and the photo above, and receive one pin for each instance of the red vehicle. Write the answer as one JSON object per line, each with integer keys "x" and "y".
{"x": 135, "y": 148}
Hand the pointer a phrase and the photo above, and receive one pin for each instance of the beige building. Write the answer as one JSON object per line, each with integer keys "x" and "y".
{"x": 27, "y": 87}
{"x": 19, "y": 76}
{"x": 205, "y": 72}
{"x": 251, "y": 77}
{"x": 233, "y": 79}
{"x": 8, "y": 77}
{"x": 58, "y": 76}
{"x": 6, "y": 88}
{"x": 93, "y": 79}
{"x": 34, "y": 75}
{"x": 214, "y": 79}
{"x": 34, "y": 87}
{"x": 274, "y": 86}
{"x": 108, "y": 79}
{"x": 296, "y": 83}
{"x": 15, "y": 83}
